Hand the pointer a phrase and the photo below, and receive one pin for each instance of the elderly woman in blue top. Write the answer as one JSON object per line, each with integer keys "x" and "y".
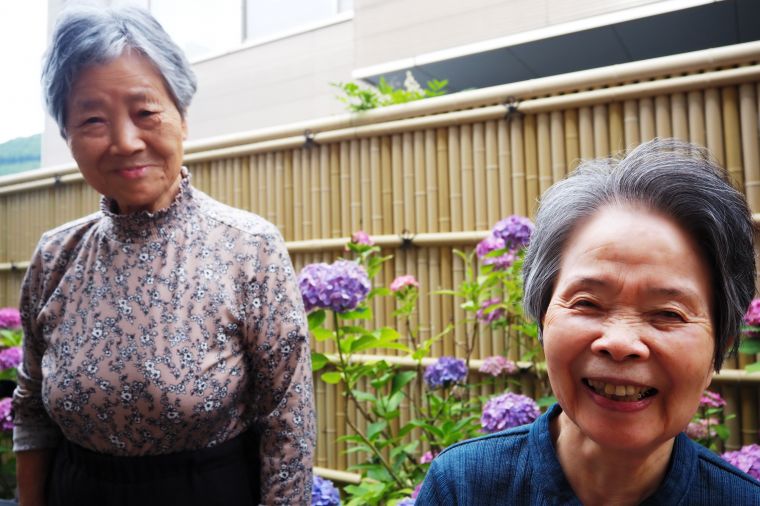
{"x": 639, "y": 273}
{"x": 166, "y": 357}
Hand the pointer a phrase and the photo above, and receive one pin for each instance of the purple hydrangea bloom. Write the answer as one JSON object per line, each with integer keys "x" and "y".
{"x": 711, "y": 399}
{"x": 514, "y": 230}
{"x": 339, "y": 286}
{"x": 324, "y": 493}
{"x": 490, "y": 244}
{"x": 406, "y": 501}
{"x": 507, "y": 411}
{"x": 363, "y": 238}
{"x": 10, "y": 357}
{"x": 6, "y": 418}
{"x": 752, "y": 317}
{"x": 746, "y": 458}
{"x": 446, "y": 370}
{"x": 498, "y": 365}
{"x": 10, "y": 318}
{"x": 495, "y": 314}
{"x": 698, "y": 429}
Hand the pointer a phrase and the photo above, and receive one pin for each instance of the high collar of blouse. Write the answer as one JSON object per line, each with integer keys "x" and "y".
{"x": 142, "y": 225}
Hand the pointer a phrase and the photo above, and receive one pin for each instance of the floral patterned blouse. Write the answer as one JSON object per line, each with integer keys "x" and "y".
{"x": 153, "y": 333}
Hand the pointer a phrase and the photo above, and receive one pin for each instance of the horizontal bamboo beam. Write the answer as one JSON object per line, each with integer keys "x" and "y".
{"x": 339, "y": 476}
{"x": 410, "y": 363}
{"x": 14, "y": 266}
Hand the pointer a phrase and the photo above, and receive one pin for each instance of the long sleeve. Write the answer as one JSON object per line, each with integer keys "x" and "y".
{"x": 33, "y": 428}
{"x": 283, "y": 390}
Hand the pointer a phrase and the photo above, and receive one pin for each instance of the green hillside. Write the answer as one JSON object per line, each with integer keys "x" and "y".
{"x": 18, "y": 155}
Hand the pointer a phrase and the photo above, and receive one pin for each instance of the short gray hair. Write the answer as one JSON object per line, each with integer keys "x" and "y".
{"x": 673, "y": 177}
{"x": 87, "y": 35}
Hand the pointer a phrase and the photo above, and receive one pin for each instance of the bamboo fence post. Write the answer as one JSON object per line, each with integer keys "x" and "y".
{"x": 397, "y": 175}
{"x": 732, "y": 136}
{"x": 420, "y": 203}
{"x": 431, "y": 182}
{"x": 479, "y": 195}
{"x": 544, "y": 145}
{"x": 271, "y": 189}
{"x": 365, "y": 202}
{"x": 468, "y": 177}
{"x": 646, "y": 119}
{"x": 663, "y": 126}
{"x": 447, "y": 303}
{"x": 288, "y": 200}
{"x": 505, "y": 170}
{"x": 261, "y": 176}
{"x": 733, "y": 405}
{"x": 601, "y": 132}
{"x": 356, "y": 186}
{"x": 531, "y": 164}
{"x": 714, "y": 125}
{"x": 559, "y": 162}
{"x": 442, "y": 170}
{"x": 697, "y": 118}
{"x": 434, "y": 301}
{"x": 334, "y": 192}
{"x": 572, "y": 139}
{"x": 298, "y": 200}
{"x": 455, "y": 179}
{"x": 492, "y": 174}
{"x": 376, "y": 186}
{"x": 386, "y": 174}
{"x": 680, "y": 120}
{"x": 631, "y": 124}
{"x": 617, "y": 135}
{"x": 409, "y": 199}
{"x": 518, "y": 166}
{"x": 345, "y": 187}
{"x": 750, "y": 148}
{"x": 586, "y": 132}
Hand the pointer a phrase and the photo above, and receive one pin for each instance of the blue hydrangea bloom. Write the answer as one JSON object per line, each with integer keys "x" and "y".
{"x": 339, "y": 286}
{"x": 514, "y": 230}
{"x": 445, "y": 371}
{"x": 324, "y": 493}
{"x": 407, "y": 501}
{"x": 508, "y": 410}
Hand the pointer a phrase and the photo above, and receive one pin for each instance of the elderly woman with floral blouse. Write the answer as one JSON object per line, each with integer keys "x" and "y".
{"x": 166, "y": 356}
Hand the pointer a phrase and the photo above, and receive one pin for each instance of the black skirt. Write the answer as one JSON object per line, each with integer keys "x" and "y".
{"x": 224, "y": 475}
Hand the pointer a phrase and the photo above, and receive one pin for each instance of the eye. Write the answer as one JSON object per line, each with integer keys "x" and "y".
{"x": 668, "y": 315}
{"x": 146, "y": 113}
{"x": 92, "y": 120}
{"x": 583, "y": 304}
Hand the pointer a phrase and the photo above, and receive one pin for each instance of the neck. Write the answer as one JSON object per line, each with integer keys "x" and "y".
{"x": 607, "y": 476}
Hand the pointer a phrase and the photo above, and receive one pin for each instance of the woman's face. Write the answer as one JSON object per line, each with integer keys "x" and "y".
{"x": 628, "y": 333}
{"x": 125, "y": 133}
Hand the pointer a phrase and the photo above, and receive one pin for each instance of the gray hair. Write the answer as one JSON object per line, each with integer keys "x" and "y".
{"x": 87, "y": 35}
{"x": 676, "y": 178}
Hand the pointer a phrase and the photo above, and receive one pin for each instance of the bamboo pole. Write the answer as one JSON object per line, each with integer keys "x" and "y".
{"x": 386, "y": 173}
{"x": 345, "y": 187}
{"x": 531, "y": 164}
{"x": 356, "y": 187}
{"x": 397, "y": 151}
{"x": 431, "y": 182}
{"x": 365, "y": 170}
{"x": 505, "y": 170}
{"x": 732, "y": 136}
{"x": 750, "y": 149}
{"x": 714, "y": 125}
{"x": 492, "y": 173}
{"x": 544, "y": 146}
{"x": 455, "y": 179}
{"x": 334, "y": 192}
{"x": 572, "y": 139}
{"x": 420, "y": 203}
{"x": 680, "y": 120}
{"x": 375, "y": 225}
{"x": 442, "y": 175}
{"x": 310, "y": 214}
{"x": 631, "y": 124}
{"x": 616, "y": 129}
{"x": 697, "y": 118}
{"x": 586, "y": 133}
{"x": 646, "y": 119}
{"x": 559, "y": 163}
{"x": 468, "y": 177}
{"x": 479, "y": 176}
{"x": 663, "y": 127}
{"x": 298, "y": 200}
{"x": 518, "y": 167}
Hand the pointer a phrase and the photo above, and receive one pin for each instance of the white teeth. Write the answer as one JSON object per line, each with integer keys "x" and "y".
{"x": 630, "y": 390}
{"x": 620, "y": 390}
{"x": 609, "y": 389}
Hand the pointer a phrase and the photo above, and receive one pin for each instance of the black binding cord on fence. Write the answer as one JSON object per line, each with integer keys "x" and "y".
{"x": 309, "y": 140}
{"x": 512, "y": 104}
{"x": 57, "y": 180}
{"x": 407, "y": 239}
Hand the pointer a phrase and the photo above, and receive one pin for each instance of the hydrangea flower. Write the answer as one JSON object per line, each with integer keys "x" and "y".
{"x": 416, "y": 491}
{"x": 10, "y": 357}
{"x": 508, "y": 410}
{"x": 406, "y": 501}
{"x": 427, "y": 457}
{"x": 698, "y": 429}
{"x": 6, "y": 418}
{"x": 711, "y": 399}
{"x": 324, "y": 493}
{"x": 402, "y": 282}
{"x": 514, "y": 230}
{"x": 752, "y": 319}
{"x": 498, "y": 365}
{"x": 9, "y": 318}
{"x": 746, "y": 458}
{"x": 490, "y": 244}
{"x": 490, "y": 316}
{"x": 362, "y": 237}
{"x": 446, "y": 370}
{"x": 339, "y": 286}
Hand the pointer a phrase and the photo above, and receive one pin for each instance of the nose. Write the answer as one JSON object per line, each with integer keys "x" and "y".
{"x": 621, "y": 341}
{"x": 126, "y": 138}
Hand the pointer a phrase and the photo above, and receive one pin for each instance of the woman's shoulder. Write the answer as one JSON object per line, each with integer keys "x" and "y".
{"x": 243, "y": 221}
{"x": 713, "y": 467}
{"x": 69, "y": 233}
{"x": 491, "y": 446}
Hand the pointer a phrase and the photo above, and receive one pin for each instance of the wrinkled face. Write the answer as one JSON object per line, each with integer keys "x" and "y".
{"x": 125, "y": 133}
{"x": 628, "y": 334}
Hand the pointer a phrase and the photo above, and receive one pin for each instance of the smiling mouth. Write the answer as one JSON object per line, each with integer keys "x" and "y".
{"x": 622, "y": 393}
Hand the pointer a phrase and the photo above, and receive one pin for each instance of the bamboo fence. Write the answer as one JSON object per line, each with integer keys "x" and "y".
{"x": 430, "y": 177}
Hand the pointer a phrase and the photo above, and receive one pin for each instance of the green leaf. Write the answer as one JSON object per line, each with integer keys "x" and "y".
{"x": 332, "y": 377}
{"x": 318, "y": 361}
{"x": 363, "y": 396}
{"x": 364, "y": 343}
{"x": 400, "y": 379}
{"x": 322, "y": 334}
{"x": 750, "y": 346}
{"x": 360, "y": 313}
{"x": 754, "y": 367}
{"x": 545, "y": 402}
{"x": 394, "y": 401}
{"x": 316, "y": 318}
{"x": 376, "y": 428}
{"x": 380, "y": 291}
{"x": 353, "y": 329}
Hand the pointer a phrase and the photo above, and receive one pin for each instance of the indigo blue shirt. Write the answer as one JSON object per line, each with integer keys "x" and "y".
{"x": 520, "y": 466}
